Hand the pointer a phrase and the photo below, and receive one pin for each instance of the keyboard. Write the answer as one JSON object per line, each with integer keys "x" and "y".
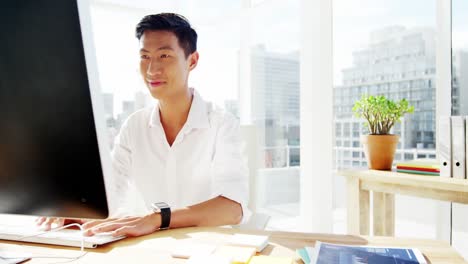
{"x": 64, "y": 237}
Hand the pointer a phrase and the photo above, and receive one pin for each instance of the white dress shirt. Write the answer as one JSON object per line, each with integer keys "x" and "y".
{"x": 205, "y": 161}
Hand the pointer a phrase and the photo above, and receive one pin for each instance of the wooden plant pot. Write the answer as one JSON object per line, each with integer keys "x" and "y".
{"x": 379, "y": 150}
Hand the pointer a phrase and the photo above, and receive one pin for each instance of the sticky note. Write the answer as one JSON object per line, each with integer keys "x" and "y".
{"x": 270, "y": 260}
{"x": 238, "y": 255}
{"x": 256, "y": 241}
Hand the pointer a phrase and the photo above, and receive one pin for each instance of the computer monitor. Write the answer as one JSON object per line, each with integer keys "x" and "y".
{"x": 53, "y": 142}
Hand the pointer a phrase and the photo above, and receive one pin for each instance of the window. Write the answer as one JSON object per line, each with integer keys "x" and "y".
{"x": 393, "y": 38}
{"x": 240, "y": 54}
{"x": 275, "y": 95}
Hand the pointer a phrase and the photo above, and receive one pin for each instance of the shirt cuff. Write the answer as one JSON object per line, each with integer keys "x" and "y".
{"x": 246, "y": 213}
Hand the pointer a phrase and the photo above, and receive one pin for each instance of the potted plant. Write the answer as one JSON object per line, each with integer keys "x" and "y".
{"x": 381, "y": 115}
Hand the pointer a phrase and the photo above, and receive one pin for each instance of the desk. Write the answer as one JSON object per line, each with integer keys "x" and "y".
{"x": 145, "y": 249}
{"x": 384, "y": 185}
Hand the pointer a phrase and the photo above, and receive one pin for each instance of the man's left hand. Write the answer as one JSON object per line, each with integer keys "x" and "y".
{"x": 127, "y": 226}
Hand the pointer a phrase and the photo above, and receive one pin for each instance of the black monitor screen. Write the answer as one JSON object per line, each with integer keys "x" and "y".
{"x": 49, "y": 155}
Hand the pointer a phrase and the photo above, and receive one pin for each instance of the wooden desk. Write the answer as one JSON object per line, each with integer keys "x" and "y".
{"x": 384, "y": 185}
{"x": 151, "y": 248}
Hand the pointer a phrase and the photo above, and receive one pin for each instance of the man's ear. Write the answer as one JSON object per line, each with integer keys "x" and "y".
{"x": 193, "y": 60}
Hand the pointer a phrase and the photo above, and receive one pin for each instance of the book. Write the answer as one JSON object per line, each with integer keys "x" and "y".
{"x": 418, "y": 169}
{"x": 420, "y": 166}
{"x": 419, "y": 172}
{"x": 420, "y": 163}
{"x": 304, "y": 255}
{"x": 335, "y": 253}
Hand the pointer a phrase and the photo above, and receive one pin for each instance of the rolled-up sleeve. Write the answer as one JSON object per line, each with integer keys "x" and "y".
{"x": 230, "y": 173}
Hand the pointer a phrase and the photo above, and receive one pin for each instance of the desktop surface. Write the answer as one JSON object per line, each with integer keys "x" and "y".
{"x": 155, "y": 248}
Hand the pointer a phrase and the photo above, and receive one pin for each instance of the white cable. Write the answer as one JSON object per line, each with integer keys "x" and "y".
{"x": 58, "y": 229}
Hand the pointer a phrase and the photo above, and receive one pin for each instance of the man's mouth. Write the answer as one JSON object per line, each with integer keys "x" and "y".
{"x": 156, "y": 83}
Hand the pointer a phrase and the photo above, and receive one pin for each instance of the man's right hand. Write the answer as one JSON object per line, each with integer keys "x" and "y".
{"x": 46, "y": 223}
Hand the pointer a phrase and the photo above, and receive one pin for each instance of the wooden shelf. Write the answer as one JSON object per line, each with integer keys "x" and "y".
{"x": 384, "y": 185}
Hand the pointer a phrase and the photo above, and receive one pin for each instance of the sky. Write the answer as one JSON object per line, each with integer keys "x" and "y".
{"x": 459, "y": 24}
{"x": 275, "y": 24}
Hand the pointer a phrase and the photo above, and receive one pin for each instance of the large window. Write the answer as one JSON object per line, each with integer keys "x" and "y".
{"x": 274, "y": 94}
{"x": 249, "y": 65}
{"x": 386, "y": 47}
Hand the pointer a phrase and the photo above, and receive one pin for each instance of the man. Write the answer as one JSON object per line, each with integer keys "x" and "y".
{"x": 181, "y": 152}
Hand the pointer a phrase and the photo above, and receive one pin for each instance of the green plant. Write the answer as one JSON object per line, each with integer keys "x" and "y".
{"x": 381, "y": 113}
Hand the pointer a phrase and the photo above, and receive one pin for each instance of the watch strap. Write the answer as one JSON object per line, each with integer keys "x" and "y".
{"x": 164, "y": 210}
{"x": 165, "y": 218}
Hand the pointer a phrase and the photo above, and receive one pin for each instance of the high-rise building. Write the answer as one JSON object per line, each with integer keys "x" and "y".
{"x": 275, "y": 86}
{"x": 232, "y": 106}
{"x": 460, "y": 83}
{"x": 108, "y": 99}
{"x": 142, "y": 100}
{"x": 398, "y": 63}
{"x": 275, "y": 96}
{"x": 128, "y": 107}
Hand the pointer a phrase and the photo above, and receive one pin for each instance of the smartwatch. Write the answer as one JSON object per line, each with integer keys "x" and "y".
{"x": 165, "y": 211}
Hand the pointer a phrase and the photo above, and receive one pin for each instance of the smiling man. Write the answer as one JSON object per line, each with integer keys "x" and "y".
{"x": 182, "y": 156}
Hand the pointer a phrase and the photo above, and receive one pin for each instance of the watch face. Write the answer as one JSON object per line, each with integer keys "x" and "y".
{"x": 158, "y": 206}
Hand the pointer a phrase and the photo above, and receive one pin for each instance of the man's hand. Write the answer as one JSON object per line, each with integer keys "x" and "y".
{"x": 127, "y": 226}
{"x": 46, "y": 223}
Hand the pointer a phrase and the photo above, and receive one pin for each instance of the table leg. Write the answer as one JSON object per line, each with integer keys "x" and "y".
{"x": 358, "y": 208}
{"x": 390, "y": 214}
{"x": 384, "y": 214}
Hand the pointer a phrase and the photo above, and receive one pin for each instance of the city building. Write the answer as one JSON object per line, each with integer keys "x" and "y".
{"x": 460, "y": 83}
{"x": 108, "y": 100}
{"x": 275, "y": 104}
{"x": 232, "y": 106}
{"x": 398, "y": 63}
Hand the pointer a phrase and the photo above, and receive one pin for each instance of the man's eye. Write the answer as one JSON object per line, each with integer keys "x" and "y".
{"x": 145, "y": 57}
{"x": 164, "y": 56}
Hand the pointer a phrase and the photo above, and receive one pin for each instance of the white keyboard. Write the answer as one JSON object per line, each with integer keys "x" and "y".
{"x": 64, "y": 237}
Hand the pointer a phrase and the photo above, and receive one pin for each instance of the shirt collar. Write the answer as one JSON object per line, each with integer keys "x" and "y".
{"x": 197, "y": 117}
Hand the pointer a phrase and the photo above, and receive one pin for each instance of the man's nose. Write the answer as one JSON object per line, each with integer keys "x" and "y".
{"x": 154, "y": 68}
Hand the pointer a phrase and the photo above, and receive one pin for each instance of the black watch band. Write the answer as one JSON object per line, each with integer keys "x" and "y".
{"x": 165, "y": 211}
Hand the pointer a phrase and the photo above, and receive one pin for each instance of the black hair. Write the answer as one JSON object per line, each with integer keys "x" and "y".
{"x": 174, "y": 23}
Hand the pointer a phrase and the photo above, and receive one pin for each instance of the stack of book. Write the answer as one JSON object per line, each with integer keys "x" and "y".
{"x": 429, "y": 167}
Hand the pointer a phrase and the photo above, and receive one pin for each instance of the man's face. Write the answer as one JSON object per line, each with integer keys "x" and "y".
{"x": 163, "y": 65}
